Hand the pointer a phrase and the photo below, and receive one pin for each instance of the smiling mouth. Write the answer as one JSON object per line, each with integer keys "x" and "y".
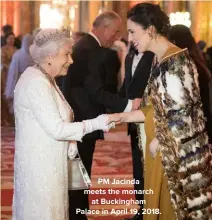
{"x": 66, "y": 66}
{"x": 135, "y": 45}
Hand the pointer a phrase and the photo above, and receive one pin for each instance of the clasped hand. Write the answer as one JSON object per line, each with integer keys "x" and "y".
{"x": 115, "y": 118}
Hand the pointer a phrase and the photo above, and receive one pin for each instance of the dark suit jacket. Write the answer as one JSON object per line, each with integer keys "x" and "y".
{"x": 113, "y": 67}
{"x": 133, "y": 87}
{"x": 205, "y": 85}
{"x": 84, "y": 86}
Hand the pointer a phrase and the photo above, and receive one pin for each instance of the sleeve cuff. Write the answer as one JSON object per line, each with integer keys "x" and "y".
{"x": 129, "y": 106}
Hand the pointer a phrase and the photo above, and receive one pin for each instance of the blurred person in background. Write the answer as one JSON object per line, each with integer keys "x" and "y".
{"x": 6, "y": 29}
{"x": 209, "y": 58}
{"x": 20, "y": 61}
{"x": 201, "y": 44}
{"x": 7, "y": 52}
{"x": 182, "y": 37}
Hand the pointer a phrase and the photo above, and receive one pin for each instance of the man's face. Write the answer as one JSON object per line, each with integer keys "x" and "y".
{"x": 111, "y": 33}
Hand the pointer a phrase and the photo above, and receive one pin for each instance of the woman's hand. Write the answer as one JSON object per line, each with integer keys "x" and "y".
{"x": 154, "y": 147}
{"x": 133, "y": 116}
{"x": 116, "y": 117}
{"x": 72, "y": 150}
{"x": 99, "y": 123}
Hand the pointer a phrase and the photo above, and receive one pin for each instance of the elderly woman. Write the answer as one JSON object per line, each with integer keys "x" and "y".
{"x": 44, "y": 129}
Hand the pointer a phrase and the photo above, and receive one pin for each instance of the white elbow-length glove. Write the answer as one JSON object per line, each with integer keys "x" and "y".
{"x": 72, "y": 149}
{"x": 98, "y": 123}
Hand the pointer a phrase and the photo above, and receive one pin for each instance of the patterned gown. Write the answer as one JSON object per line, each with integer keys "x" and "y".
{"x": 180, "y": 129}
{"x": 154, "y": 176}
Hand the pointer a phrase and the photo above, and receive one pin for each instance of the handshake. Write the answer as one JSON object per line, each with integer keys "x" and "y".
{"x": 106, "y": 122}
{"x": 101, "y": 122}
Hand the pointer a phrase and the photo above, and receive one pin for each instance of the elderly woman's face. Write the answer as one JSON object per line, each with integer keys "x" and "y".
{"x": 62, "y": 61}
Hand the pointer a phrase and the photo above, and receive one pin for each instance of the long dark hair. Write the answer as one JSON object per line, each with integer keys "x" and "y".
{"x": 7, "y": 35}
{"x": 182, "y": 37}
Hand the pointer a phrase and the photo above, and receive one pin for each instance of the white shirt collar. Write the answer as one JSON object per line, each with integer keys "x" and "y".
{"x": 94, "y": 36}
{"x": 139, "y": 55}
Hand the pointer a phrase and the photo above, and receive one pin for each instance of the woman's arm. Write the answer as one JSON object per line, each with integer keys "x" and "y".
{"x": 45, "y": 109}
{"x": 134, "y": 116}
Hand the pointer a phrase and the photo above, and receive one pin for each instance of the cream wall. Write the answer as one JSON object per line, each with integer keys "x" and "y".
{"x": 201, "y": 16}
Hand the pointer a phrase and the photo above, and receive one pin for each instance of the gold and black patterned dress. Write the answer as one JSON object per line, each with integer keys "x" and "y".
{"x": 154, "y": 176}
{"x": 180, "y": 129}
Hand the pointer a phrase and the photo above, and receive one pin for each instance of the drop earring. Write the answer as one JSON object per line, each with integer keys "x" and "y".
{"x": 150, "y": 35}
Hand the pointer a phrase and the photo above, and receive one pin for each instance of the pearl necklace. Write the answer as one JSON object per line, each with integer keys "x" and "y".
{"x": 52, "y": 82}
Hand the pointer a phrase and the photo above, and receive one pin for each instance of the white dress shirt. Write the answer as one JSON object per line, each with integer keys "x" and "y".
{"x": 135, "y": 62}
{"x": 94, "y": 36}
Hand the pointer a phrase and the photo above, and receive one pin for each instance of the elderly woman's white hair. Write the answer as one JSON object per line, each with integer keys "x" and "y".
{"x": 36, "y": 31}
{"x": 48, "y": 42}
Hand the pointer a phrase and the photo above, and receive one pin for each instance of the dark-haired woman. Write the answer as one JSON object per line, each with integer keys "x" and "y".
{"x": 180, "y": 138}
{"x": 7, "y": 52}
